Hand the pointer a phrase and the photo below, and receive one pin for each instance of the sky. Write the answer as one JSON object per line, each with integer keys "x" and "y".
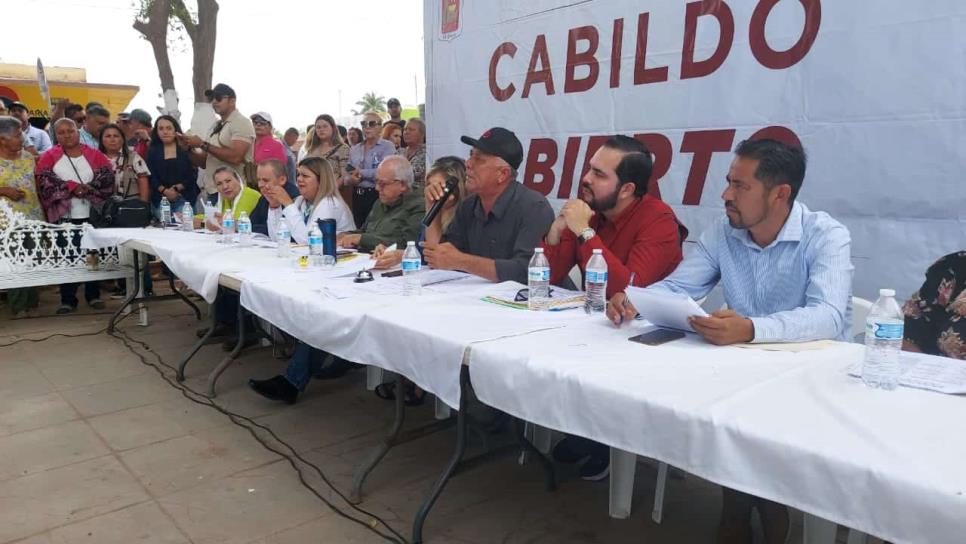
{"x": 290, "y": 58}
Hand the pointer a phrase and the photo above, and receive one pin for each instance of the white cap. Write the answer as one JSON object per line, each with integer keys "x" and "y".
{"x": 410, "y": 243}
{"x": 887, "y": 292}
{"x": 598, "y": 252}
{"x": 538, "y": 250}
{"x": 263, "y": 115}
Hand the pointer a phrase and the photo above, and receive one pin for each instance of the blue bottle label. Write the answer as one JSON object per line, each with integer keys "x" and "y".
{"x": 594, "y": 276}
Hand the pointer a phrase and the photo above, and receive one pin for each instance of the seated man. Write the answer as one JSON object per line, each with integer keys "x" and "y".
{"x": 394, "y": 218}
{"x": 639, "y": 236}
{"x": 270, "y": 173}
{"x": 787, "y": 277}
{"x": 494, "y": 231}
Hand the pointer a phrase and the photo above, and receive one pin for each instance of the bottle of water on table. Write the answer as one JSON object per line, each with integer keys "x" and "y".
{"x": 412, "y": 264}
{"x": 883, "y": 342}
{"x": 595, "y": 283}
{"x": 315, "y": 245}
{"x": 244, "y": 229}
{"x": 538, "y": 281}
{"x": 165, "y": 212}
{"x": 283, "y": 235}
{"x": 187, "y": 218}
{"x": 228, "y": 227}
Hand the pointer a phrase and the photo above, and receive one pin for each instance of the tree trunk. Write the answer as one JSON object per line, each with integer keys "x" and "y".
{"x": 202, "y": 34}
{"x": 155, "y": 31}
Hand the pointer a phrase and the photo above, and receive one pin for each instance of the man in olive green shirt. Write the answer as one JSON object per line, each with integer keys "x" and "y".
{"x": 394, "y": 219}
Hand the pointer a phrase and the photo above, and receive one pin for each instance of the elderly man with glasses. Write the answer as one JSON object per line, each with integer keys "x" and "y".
{"x": 228, "y": 142}
{"x": 364, "y": 159}
{"x": 394, "y": 219}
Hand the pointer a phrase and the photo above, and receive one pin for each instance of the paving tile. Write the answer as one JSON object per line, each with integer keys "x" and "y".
{"x": 107, "y": 361}
{"x": 119, "y": 394}
{"x": 21, "y": 380}
{"x": 32, "y": 504}
{"x": 25, "y": 414}
{"x": 327, "y": 527}
{"x": 144, "y": 523}
{"x": 245, "y": 507}
{"x": 51, "y": 447}
{"x": 197, "y": 459}
{"x": 143, "y": 425}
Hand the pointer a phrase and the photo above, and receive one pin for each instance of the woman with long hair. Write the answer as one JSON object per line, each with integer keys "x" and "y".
{"x": 325, "y": 140}
{"x": 172, "y": 175}
{"x": 318, "y": 198}
{"x": 130, "y": 171}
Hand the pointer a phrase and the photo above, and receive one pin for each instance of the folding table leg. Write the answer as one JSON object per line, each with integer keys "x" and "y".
{"x": 623, "y": 465}
{"x": 657, "y": 513}
{"x": 442, "y": 410}
{"x": 132, "y": 293}
{"x": 454, "y": 462}
{"x": 375, "y": 377}
{"x": 194, "y": 349}
{"x": 230, "y": 358}
{"x": 382, "y": 449}
{"x": 183, "y": 298}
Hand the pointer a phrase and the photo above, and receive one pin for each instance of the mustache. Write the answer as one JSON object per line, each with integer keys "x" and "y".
{"x": 731, "y": 206}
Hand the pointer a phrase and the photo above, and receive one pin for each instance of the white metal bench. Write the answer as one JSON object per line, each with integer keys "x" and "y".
{"x": 35, "y": 253}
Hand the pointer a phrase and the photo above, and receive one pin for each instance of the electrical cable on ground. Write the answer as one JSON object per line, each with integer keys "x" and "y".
{"x": 240, "y": 421}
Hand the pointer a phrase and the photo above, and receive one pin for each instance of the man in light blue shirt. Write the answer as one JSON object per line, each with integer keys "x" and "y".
{"x": 97, "y": 117}
{"x": 786, "y": 272}
{"x": 33, "y": 137}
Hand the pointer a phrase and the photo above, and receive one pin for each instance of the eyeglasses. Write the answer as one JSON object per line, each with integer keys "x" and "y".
{"x": 523, "y": 295}
{"x": 384, "y": 184}
{"x": 370, "y": 124}
{"x": 260, "y": 122}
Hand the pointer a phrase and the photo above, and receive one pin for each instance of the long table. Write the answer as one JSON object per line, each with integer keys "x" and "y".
{"x": 792, "y": 427}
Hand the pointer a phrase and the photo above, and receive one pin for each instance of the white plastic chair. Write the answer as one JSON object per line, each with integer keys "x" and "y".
{"x": 860, "y": 311}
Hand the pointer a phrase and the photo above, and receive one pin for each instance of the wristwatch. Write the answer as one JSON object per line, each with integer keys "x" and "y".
{"x": 587, "y": 234}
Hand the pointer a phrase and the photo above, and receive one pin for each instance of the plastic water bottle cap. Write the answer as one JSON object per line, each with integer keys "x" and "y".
{"x": 598, "y": 252}
{"x": 410, "y": 243}
{"x": 538, "y": 250}
{"x": 887, "y": 292}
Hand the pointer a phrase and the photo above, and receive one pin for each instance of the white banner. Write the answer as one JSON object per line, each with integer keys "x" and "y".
{"x": 875, "y": 91}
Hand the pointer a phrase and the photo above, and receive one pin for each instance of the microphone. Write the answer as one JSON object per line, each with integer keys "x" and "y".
{"x": 451, "y": 184}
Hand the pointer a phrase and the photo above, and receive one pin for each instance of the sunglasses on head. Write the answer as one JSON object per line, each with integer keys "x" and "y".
{"x": 370, "y": 124}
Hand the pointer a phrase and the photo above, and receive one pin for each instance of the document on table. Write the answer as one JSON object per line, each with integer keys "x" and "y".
{"x": 505, "y": 294}
{"x": 929, "y": 372}
{"x": 793, "y": 347}
{"x": 665, "y": 309}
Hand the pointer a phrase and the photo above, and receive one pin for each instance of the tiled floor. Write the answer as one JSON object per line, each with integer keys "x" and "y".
{"x": 96, "y": 447}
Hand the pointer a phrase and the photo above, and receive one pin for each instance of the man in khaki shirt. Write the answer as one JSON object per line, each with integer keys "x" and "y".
{"x": 228, "y": 143}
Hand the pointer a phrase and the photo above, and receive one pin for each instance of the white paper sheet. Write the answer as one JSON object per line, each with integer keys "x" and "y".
{"x": 663, "y": 309}
{"x": 929, "y": 372}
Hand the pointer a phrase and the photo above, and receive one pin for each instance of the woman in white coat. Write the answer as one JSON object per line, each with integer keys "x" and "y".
{"x": 319, "y": 199}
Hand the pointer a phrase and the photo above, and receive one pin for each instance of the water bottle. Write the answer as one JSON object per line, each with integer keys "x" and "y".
{"x": 227, "y": 227}
{"x": 283, "y": 236}
{"x": 595, "y": 283}
{"x": 883, "y": 342}
{"x": 187, "y": 218}
{"x": 315, "y": 245}
{"x": 244, "y": 229}
{"x": 538, "y": 281}
{"x": 412, "y": 263}
{"x": 165, "y": 212}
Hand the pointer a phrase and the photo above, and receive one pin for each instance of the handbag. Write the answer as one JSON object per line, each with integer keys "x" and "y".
{"x": 121, "y": 212}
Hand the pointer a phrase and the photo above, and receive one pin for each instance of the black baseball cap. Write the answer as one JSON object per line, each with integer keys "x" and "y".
{"x": 500, "y": 142}
{"x": 17, "y": 104}
{"x": 220, "y": 90}
{"x": 393, "y": 102}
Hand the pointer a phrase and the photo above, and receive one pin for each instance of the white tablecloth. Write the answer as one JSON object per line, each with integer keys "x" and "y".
{"x": 791, "y": 427}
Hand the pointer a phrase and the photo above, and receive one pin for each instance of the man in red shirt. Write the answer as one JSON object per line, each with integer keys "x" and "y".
{"x": 266, "y": 146}
{"x": 637, "y": 232}
{"x": 639, "y": 235}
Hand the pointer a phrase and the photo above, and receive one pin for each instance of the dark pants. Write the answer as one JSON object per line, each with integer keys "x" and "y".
{"x": 226, "y": 311}
{"x": 362, "y": 200}
{"x": 68, "y": 291}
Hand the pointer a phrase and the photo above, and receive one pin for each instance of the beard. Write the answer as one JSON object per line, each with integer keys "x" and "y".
{"x": 599, "y": 205}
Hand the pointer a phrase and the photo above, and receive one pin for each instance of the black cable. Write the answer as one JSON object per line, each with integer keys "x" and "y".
{"x": 237, "y": 419}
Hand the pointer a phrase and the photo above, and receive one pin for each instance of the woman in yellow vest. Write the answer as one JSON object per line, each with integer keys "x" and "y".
{"x": 232, "y": 195}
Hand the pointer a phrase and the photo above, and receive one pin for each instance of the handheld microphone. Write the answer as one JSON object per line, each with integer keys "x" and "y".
{"x": 451, "y": 184}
